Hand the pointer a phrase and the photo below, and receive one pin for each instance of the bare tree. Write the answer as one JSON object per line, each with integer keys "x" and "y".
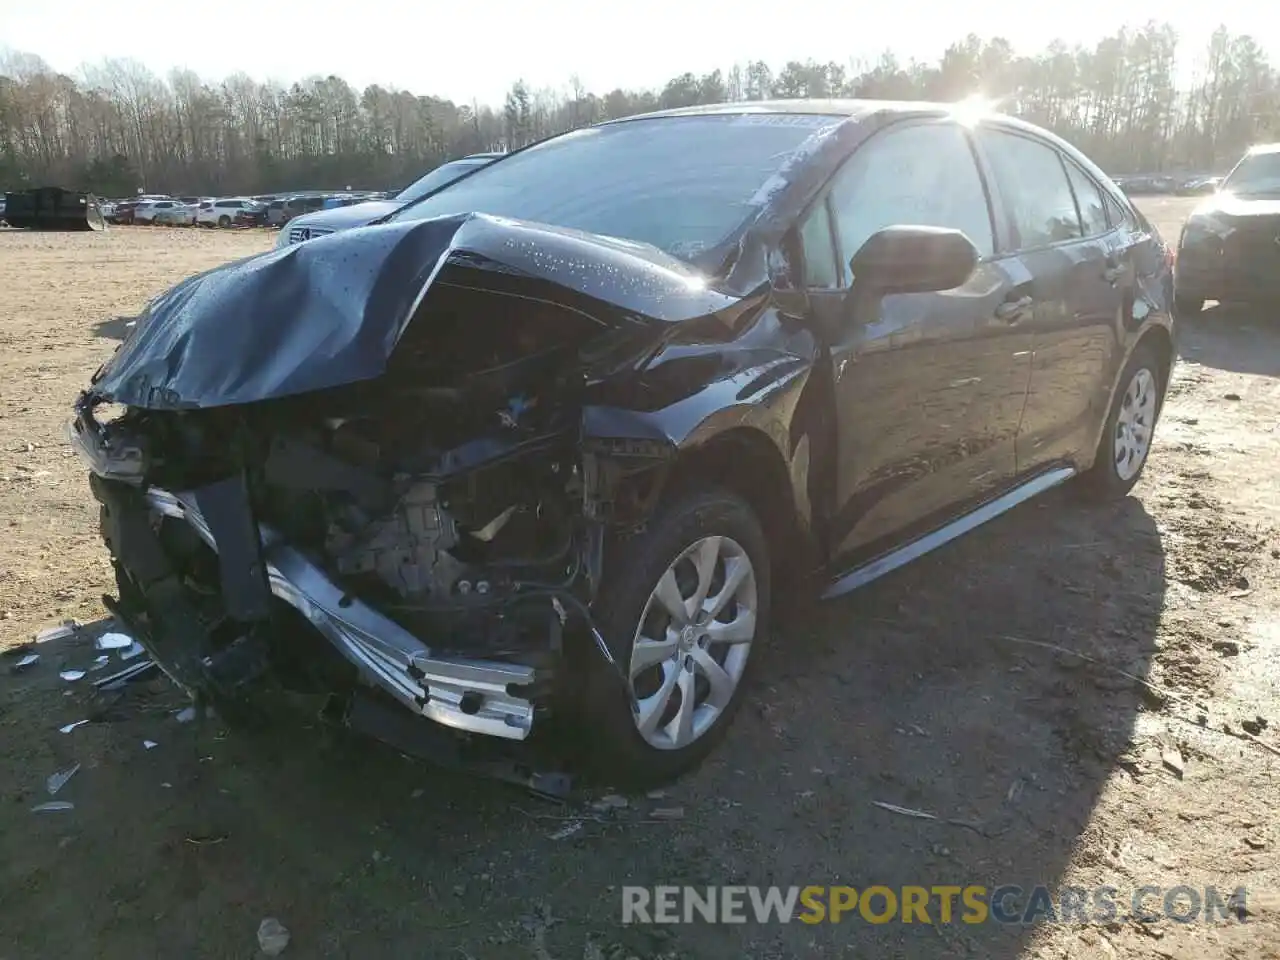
{"x": 117, "y": 127}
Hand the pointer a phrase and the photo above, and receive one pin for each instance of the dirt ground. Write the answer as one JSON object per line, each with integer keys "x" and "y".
{"x": 1155, "y": 762}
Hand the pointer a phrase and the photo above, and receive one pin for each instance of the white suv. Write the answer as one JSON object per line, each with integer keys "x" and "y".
{"x": 221, "y": 213}
{"x": 146, "y": 211}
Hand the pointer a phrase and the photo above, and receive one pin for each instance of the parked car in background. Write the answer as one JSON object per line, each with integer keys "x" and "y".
{"x": 121, "y": 212}
{"x": 1229, "y": 248}
{"x": 1198, "y": 186}
{"x": 251, "y": 216}
{"x": 178, "y": 215}
{"x": 301, "y": 206}
{"x": 359, "y": 214}
{"x": 345, "y": 200}
{"x": 147, "y": 210}
{"x": 275, "y": 212}
{"x": 561, "y": 431}
{"x": 222, "y": 212}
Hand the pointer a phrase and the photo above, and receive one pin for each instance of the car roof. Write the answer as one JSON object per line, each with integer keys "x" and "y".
{"x": 849, "y": 110}
{"x": 1264, "y": 148}
{"x": 830, "y": 107}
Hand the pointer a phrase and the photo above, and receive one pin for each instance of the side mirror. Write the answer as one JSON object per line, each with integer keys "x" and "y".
{"x": 912, "y": 259}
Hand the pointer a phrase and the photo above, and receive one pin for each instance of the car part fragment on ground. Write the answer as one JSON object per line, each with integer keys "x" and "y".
{"x": 52, "y": 208}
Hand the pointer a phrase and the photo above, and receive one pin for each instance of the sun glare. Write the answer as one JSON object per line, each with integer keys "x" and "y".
{"x": 972, "y": 109}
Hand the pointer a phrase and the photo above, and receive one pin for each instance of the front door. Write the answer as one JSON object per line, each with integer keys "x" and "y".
{"x": 929, "y": 387}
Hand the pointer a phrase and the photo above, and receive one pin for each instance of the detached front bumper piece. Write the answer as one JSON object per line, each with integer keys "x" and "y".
{"x": 467, "y": 695}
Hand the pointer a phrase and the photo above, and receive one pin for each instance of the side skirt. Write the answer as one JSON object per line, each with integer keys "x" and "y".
{"x": 887, "y": 563}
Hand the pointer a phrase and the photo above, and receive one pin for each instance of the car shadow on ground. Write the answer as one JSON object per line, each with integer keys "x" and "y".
{"x": 926, "y": 690}
{"x": 1237, "y": 337}
{"x": 117, "y": 328}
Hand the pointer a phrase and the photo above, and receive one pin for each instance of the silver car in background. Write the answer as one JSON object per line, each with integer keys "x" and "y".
{"x": 361, "y": 214}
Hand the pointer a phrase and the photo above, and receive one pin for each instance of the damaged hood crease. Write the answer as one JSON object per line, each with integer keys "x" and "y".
{"x": 331, "y": 311}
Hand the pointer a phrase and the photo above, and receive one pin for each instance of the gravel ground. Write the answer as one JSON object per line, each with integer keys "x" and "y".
{"x": 931, "y": 690}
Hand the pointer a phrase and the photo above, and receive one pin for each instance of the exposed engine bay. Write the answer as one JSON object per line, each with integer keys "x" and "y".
{"x": 467, "y": 512}
{"x": 414, "y": 441}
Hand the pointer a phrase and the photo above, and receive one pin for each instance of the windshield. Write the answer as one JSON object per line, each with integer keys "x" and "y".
{"x": 683, "y": 184}
{"x": 1255, "y": 174}
{"x": 444, "y": 174}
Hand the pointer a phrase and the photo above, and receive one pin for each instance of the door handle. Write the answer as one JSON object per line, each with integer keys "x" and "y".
{"x": 1011, "y": 311}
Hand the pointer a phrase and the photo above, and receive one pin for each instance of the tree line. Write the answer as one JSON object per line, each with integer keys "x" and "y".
{"x": 118, "y": 127}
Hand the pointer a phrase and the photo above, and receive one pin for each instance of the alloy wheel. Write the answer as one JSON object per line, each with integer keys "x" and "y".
{"x": 691, "y": 647}
{"x": 1134, "y": 424}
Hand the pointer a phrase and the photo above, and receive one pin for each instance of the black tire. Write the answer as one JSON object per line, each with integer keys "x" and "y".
{"x": 1103, "y": 481}
{"x": 616, "y": 749}
{"x": 1187, "y": 305}
{"x": 224, "y": 221}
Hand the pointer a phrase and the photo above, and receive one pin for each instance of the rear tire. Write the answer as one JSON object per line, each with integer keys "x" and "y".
{"x": 705, "y": 543}
{"x": 1187, "y": 305}
{"x": 1128, "y": 433}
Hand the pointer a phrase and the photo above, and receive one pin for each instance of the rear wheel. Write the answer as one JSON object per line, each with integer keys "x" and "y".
{"x": 1187, "y": 304}
{"x": 683, "y": 610}
{"x": 1127, "y": 436}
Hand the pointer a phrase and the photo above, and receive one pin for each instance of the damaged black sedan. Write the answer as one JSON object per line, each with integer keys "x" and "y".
{"x": 547, "y": 442}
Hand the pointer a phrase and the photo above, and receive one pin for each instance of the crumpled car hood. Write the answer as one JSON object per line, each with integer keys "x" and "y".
{"x": 329, "y": 312}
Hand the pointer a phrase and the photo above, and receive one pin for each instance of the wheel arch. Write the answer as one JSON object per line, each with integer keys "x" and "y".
{"x": 746, "y": 461}
{"x": 1161, "y": 341}
{"x": 1159, "y": 338}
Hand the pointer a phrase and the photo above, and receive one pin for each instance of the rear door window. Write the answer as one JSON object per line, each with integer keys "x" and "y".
{"x": 1034, "y": 187}
{"x": 1093, "y": 214}
{"x": 1117, "y": 214}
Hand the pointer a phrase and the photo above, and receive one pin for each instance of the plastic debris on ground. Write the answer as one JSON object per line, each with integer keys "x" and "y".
{"x": 567, "y": 831}
{"x": 60, "y": 632}
{"x": 136, "y": 649}
{"x": 667, "y": 813}
{"x": 273, "y": 936}
{"x": 185, "y": 715}
{"x": 100, "y": 662}
{"x": 114, "y": 681}
{"x": 149, "y": 744}
{"x": 71, "y": 726}
{"x": 57, "y": 781}
{"x": 904, "y": 811}
{"x": 114, "y": 641}
{"x": 72, "y": 675}
{"x": 53, "y": 806}
{"x": 26, "y": 663}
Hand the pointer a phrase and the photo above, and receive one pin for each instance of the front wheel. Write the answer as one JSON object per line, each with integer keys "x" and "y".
{"x": 1127, "y": 436}
{"x": 683, "y": 609}
{"x": 224, "y": 221}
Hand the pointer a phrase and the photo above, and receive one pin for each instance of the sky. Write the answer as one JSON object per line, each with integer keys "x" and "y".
{"x": 467, "y": 51}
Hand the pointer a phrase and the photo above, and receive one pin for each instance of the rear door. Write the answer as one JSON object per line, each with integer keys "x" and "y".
{"x": 928, "y": 387}
{"x": 1080, "y": 282}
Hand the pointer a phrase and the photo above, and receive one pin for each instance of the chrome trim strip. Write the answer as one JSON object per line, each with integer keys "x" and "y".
{"x": 381, "y": 649}
{"x": 887, "y": 563}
